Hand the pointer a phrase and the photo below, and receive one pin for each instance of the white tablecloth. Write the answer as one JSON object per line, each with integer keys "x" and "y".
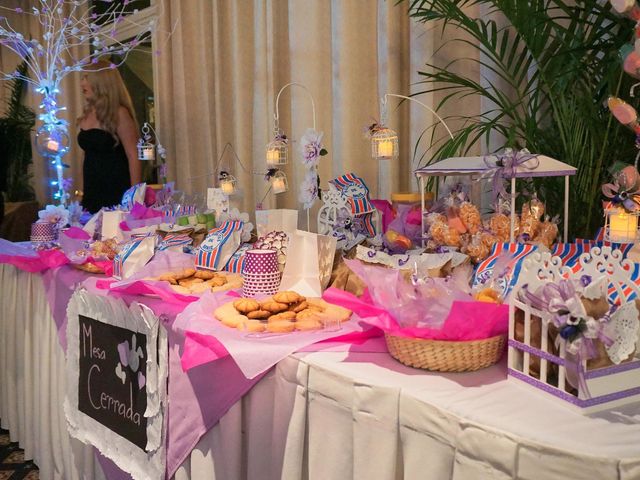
{"x": 328, "y": 416}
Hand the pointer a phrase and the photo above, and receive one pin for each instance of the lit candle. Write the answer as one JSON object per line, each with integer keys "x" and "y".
{"x": 227, "y": 187}
{"x": 385, "y": 148}
{"x": 52, "y": 145}
{"x": 148, "y": 153}
{"x": 279, "y": 185}
{"x": 273, "y": 156}
{"x": 623, "y": 228}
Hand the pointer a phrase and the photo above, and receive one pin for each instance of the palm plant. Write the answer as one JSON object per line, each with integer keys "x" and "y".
{"x": 552, "y": 66}
{"x": 15, "y": 143}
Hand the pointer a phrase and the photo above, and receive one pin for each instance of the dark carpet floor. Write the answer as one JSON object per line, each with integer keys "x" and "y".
{"x": 12, "y": 463}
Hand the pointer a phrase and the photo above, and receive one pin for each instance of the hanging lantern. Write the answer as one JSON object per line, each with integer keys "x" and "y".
{"x": 146, "y": 149}
{"x": 277, "y": 151}
{"x": 227, "y": 183}
{"x": 279, "y": 182}
{"x": 621, "y": 226}
{"x": 384, "y": 143}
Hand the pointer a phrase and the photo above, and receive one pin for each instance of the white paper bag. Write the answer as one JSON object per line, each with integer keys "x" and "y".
{"x": 310, "y": 260}
{"x": 279, "y": 220}
{"x": 218, "y": 201}
{"x": 111, "y": 225}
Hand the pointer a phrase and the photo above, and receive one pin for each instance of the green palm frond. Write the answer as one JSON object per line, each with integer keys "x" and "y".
{"x": 551, "y": 65}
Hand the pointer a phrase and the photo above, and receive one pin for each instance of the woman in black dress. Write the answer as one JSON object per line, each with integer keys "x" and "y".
{"x": 108, "y": 135}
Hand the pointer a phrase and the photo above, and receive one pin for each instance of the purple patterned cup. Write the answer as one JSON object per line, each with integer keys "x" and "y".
{"x": 261, "y": 262}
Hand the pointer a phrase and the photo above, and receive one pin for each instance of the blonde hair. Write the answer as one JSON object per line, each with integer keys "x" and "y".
{"x": 109, "y": 94}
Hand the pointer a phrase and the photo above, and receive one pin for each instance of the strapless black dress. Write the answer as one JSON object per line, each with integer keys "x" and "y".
{"x": 105, "y": 170}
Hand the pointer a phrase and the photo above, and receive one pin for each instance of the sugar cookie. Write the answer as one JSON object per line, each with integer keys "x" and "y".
{"x": 254, "y": 326}
{"x": 283, "y": 326}
{"x": 282, "y": 316}
{"x": 258, "y": 314}
{"x": 309, "y": 324}
{"x": 233, "y": 321}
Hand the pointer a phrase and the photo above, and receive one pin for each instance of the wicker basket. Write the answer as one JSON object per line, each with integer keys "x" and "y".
{"x": 446, "y": 356}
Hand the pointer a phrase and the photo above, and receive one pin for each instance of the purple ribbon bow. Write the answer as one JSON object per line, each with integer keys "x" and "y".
{"x": 621, "y": 193}
{"x": 506, "y": 166}
{"x": 565, "y": 305}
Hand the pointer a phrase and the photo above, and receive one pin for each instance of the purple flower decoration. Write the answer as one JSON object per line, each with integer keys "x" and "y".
{"x": 309, "y": 189}
{"x": 311, "y": 148}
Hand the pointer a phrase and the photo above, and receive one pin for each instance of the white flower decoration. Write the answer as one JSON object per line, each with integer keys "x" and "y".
{"x": 311, "y": 147}
{"x": 309, "y": 189}
{"x": 55, "y": 214}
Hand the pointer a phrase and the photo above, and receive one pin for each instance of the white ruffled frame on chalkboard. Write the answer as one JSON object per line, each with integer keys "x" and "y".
{"x": 148, "y": 463}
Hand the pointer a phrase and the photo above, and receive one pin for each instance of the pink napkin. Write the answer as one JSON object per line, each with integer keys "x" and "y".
{"x": 466, "y": 320}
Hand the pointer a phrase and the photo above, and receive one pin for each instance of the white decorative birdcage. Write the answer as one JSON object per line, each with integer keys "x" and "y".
{"x": 277, "y": 152}
{"x": 601, "y": 388}
{"x": 384, "y": 143}
{"x": 279, "y": 183}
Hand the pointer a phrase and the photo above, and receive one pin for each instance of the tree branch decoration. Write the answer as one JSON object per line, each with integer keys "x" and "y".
{"x": 68, "y": 25}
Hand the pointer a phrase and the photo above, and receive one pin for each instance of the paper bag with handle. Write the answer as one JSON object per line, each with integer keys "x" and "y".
{"x": 310, "y": 273}
{"x": 280, "y": 220}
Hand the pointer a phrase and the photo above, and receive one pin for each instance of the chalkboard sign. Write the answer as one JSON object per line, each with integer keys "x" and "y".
{"x": 112, "y": 378}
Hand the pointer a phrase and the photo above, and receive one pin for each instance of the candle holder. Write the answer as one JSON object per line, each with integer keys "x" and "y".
{"x": 621, "y": 226}
{"x": 385, "y": 145}
{"x": 227, "y": 183}
{"x": 279, "y": 183}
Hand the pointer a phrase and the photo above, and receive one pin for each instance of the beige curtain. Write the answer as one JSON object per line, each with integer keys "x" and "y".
{"x": 222, "y": 67}
{"x": 222, "y": 63}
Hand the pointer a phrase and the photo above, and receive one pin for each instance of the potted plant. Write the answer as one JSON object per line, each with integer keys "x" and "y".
{"x": 15, "y": 159}
{"x": 547, "y": 70}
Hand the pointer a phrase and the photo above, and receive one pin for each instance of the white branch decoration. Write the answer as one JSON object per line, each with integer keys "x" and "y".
{"x": 67, "y": 25}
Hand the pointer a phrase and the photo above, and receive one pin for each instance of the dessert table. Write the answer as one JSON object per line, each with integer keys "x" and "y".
{"x": 330, "y": 414}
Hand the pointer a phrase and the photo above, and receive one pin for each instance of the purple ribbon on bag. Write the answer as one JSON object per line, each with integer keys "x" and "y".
{"x": 506, "y": 166}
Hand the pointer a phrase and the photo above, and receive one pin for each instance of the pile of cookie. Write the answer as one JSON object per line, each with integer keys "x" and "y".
{"x": 283, "y": 313}
{"x": 192, "y": 281}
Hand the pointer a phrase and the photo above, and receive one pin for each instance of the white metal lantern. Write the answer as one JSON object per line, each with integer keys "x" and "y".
{"x": 384, "y": 143}
{"x": 146, "y": 149}
{"x": 621, "y": 226}
{"x": 279, "y": 182}
{"x": 227, "y": 183}
{"x": 277, "y": 152}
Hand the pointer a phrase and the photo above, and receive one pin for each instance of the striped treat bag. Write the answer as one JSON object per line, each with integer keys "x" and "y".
{"x": 175, "y": 242}
{"x": 219, "y": 245}
{"x": 133, "y": 256}
{"x": 501, "y": 268}
{"x": 356, "y": 192}
{"x": 236, "y": 262}
{"x": 134, "y": 195}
